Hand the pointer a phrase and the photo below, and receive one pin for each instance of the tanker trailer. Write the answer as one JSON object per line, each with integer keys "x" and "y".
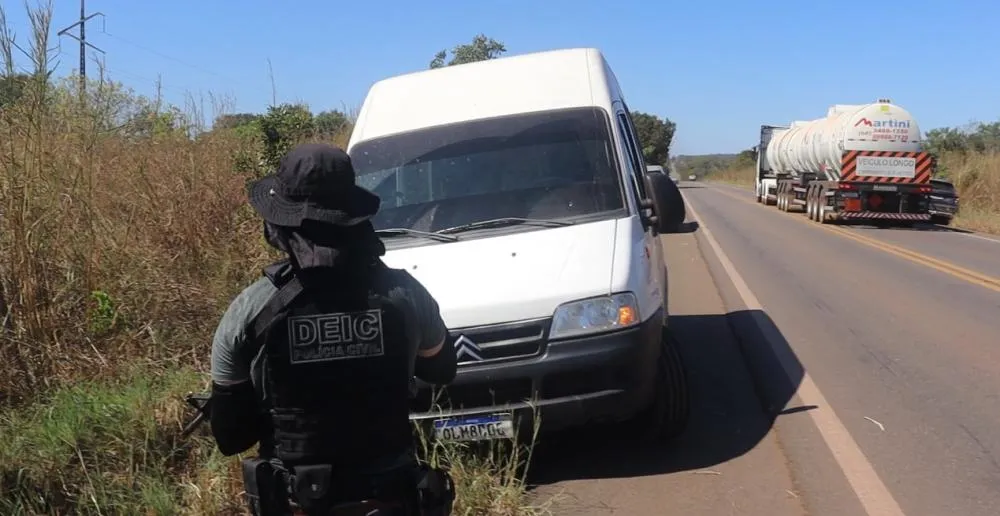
{"x": 861, "y": 162}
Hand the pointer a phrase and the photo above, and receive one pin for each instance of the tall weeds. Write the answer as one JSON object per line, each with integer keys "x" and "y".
{"x": 124, "y": 233}
{"x": 120, "y": 243}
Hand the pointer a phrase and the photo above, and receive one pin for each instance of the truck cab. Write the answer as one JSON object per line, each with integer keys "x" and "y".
{"x": 943, "y": 202}
{"x": 765, "y": 179}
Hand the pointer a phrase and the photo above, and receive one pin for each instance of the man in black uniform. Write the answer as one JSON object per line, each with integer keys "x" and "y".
{"x": 314, "y": 361}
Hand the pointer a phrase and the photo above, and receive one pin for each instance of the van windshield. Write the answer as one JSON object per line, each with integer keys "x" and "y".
{"x": 554, "y": 165}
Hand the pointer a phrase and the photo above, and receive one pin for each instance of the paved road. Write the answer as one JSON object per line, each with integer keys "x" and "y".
{"x": 969, "y": 250}
{"x": 849, "y": 377}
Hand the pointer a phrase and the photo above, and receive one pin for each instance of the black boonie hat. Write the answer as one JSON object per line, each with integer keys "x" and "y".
{"x": 314, "y": 182}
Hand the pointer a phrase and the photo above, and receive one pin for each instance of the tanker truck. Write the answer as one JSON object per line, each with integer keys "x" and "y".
{"x": 860, "y": 163}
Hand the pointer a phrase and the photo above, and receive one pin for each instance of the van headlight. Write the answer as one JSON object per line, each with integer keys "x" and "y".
{"x": 595, "y": 315}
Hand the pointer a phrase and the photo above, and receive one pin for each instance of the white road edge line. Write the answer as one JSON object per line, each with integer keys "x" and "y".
{"x": 869, "y": 488}
{"x": 980, "y": 237}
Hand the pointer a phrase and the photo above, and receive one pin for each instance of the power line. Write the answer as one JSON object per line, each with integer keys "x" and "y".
{"x": 82, "y": 22}
{"x": 166, "y": 56}
{"x": 103, "y": 30}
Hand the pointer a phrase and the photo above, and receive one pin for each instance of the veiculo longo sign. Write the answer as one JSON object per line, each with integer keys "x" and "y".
{"x": 886, "y": 167}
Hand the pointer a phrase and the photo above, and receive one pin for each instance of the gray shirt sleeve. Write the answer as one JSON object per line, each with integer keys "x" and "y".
{"x": 430, "y": 326}
{"x": 231, "y": 361}
{"x": 425, "y": 316}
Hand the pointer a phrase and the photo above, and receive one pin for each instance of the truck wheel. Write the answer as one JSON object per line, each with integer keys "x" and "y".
{"x": 817, "y": 197}
{"x": 667, "y": 415}
{"x": 819, "y": 204}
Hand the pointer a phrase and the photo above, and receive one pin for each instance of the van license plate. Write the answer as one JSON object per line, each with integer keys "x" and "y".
{"x": 476, "y": 428}
{"x": 885, "y": 188}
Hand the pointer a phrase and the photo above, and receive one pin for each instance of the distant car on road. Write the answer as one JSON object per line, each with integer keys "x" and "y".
{"x": 660, "y": 170}
{"x": 943, "y": 202}
{"x": 692, "y": 177}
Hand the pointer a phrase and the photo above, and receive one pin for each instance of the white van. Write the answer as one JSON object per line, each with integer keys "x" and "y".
{"x": 515, "y": 190}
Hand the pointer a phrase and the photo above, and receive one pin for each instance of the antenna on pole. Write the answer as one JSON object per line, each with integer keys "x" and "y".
{"x": 82, "y": 22}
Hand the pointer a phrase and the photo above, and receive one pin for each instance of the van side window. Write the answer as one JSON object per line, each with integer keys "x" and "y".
{"x": 640, "y": 178}
{"x": 635, "y": 161}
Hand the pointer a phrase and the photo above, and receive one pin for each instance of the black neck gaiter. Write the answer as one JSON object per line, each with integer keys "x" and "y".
{"x": 345, "y": 249}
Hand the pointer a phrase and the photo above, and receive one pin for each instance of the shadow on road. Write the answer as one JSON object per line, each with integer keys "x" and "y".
{"x": 686, "y": 227}
{"x": 738, "y": 388}
{"x": 933, "y": 228}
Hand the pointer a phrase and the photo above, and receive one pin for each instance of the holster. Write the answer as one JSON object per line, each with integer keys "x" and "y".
{"x": 311, "y": 488}
{"x": 317, "y": 490}
{"x": 436, "y": 491}
{"x": 266, "y": 491}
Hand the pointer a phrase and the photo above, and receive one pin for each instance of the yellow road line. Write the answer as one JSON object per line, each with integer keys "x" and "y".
{"x": 946, "y": 267}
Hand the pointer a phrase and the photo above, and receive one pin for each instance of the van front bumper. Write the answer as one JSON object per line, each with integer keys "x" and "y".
{"x": 565, "y": 383}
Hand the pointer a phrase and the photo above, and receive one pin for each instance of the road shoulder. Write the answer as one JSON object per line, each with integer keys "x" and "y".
{"x": 817, "y": 478}
{"x": 728, "y": 461}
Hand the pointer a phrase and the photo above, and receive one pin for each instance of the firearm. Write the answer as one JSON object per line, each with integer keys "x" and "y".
{"x": 201, "y": 403}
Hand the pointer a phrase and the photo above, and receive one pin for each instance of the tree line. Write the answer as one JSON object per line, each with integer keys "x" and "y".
{"x": 280, "y": 126}
{"x": 286, "y": 123}
{"x": 983, "y": 138}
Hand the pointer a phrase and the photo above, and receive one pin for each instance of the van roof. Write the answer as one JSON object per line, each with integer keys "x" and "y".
{"x": 540, "y": 81}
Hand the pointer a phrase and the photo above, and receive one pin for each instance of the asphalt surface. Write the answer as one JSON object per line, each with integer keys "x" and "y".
{"x": 837, "y": 372}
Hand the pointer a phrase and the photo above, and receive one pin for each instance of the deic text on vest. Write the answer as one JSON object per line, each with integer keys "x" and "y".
{"x": 338, "y": 336}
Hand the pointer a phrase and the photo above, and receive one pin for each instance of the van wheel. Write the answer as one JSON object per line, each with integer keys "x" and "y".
{"x": 667, "y": 415}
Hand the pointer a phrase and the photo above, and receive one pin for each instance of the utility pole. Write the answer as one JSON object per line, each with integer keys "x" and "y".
{"x": 82, "y": 22}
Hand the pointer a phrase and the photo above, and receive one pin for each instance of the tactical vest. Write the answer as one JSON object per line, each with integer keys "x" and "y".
{"x": 336, "y": 372}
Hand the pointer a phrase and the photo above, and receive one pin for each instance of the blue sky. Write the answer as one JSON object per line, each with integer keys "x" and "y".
{"x": 717, "y": 68}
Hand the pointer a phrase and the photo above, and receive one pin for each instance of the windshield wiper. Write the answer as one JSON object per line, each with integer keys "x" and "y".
{"x": 499, "y": 223}
{"x": 415, "y": 233}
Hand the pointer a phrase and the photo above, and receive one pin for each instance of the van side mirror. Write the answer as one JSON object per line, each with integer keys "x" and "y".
{"x": 666, "y": 202}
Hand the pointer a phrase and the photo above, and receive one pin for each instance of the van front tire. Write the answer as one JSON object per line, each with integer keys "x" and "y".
{"x": 668, "y": 413}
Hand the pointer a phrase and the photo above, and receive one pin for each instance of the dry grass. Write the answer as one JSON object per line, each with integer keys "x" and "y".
{"x": 122, "y": 240}
{"x": 976, "y": 177}
{"x": 113, "y": 446}
{"x": 490, "y": 478}
{"x": 734, "y": 175}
